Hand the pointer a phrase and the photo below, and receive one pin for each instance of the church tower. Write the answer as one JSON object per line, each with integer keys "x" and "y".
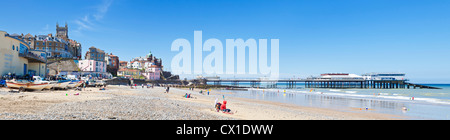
{"x": 62, "y": 32}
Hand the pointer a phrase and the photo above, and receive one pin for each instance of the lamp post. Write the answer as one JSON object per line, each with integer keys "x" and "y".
{"x": 46, "y": 58}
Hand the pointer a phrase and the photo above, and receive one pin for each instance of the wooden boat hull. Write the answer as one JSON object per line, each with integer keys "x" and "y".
{"x": 50, "y": 85}
{"x": 28, "y": 86}
{"x": 79, "y": 84}
{"x": 74, "y": 84}
{"x": 61, "y": 85}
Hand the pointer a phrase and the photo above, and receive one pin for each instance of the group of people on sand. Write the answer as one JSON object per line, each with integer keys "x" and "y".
{"x": 134, "y": 86}
{"x": 201, "y": 91}
{"x": 218, "y": 105}
{"x": 188, "y": 95}
{"x": 222, "y": 107}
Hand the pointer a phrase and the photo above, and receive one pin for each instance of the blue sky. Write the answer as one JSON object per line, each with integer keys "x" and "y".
{"x": 316, "y": 36}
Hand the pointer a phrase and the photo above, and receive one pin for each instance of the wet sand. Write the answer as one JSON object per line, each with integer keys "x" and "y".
{"x": 253, "y": 109}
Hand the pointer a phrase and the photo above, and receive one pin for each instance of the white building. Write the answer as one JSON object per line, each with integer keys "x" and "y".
{"x": 134, "y": 65}
{"x": 92, "y": 65}
{"x": 152, "y": 73}
{"x": 140, "y": 64}
{"x": 384, "y": 76}
{"x": 339, "y": 76}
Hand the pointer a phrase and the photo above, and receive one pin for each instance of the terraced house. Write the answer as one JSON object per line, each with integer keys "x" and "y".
{"x": 59, "y": 46}
{"x": 94, "y": 63}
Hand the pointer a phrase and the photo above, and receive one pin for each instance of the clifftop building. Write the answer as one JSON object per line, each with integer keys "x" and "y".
{"x": 149, "y": 68}
{"x": 59, "y": 46}
{"x": 95, "y": 54}
{"x": 62, "y": 32}
{"x": 94, "y": 63}
{"x": 112, "y": 64}
{"x": 144, "y": 62}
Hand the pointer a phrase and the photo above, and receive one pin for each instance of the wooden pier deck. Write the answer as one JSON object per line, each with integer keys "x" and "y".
{"x": 325, "y": 83}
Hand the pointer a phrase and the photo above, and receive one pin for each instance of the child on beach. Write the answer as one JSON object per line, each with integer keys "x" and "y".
{"x": 224, "y": 109}
{"x": 84, "y": 86}
{"x": 217, "y": 106}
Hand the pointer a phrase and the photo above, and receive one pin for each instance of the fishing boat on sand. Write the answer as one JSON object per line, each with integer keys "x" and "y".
{"x": 75, "y": 83}
{"x": 62, "y": 84}
{"x": 26, "y": 85}
{"x": 38, "y": 79}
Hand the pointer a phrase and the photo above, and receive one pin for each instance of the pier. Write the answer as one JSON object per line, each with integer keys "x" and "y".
{"x": 324, "y": 83}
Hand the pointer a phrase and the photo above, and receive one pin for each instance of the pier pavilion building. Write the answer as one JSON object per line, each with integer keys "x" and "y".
{"x": 384, "y": 76}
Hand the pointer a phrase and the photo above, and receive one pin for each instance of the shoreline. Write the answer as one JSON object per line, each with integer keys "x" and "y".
{"x": 254, "y": 109}
{"x": 123, "y": 103}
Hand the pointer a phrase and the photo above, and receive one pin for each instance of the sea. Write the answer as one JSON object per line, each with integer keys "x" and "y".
{"x": 421, "y": 104}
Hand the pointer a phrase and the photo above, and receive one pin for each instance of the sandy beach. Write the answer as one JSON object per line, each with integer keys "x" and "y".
{"x": 123, "y": 103}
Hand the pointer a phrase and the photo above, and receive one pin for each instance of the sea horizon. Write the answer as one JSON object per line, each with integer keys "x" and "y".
{"x": 411, "y": 103}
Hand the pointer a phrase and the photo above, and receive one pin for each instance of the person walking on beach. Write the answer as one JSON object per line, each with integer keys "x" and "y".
{"x": 167, "y": 90}
{"x": 84, "y": 85}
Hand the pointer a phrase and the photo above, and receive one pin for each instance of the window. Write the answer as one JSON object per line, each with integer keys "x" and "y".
{"x": 37, "y": 43}
{"x": 13, "y": 47}
{"x": 43, "y": 43}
